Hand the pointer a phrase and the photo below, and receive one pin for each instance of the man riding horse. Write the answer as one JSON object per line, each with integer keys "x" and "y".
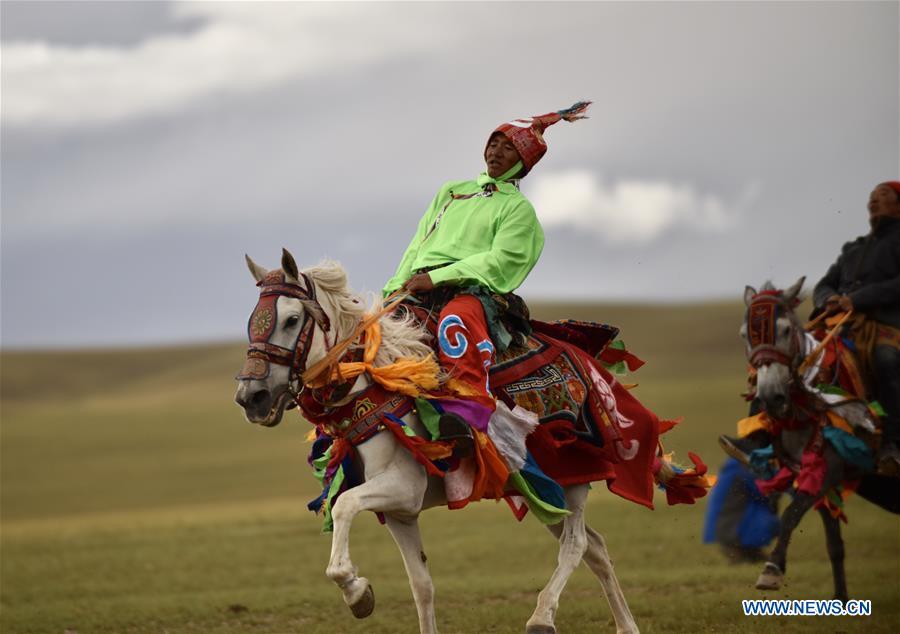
{"x": 865, "y": 279}
{"x": 383, "y": 409}
{"x": 474, "y": 246}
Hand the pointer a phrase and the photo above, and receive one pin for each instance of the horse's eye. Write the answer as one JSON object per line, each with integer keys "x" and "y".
{"x": 292, "y": 321}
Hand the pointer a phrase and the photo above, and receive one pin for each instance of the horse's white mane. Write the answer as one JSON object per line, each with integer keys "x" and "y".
{"x": 400, "y": 336}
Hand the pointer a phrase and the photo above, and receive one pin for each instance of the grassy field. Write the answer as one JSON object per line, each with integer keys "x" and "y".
{"x": 136, "y": 499}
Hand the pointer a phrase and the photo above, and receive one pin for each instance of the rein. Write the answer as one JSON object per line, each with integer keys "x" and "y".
{"x": 407, "y": 376}
{"x": 762, "y": 316}
{"x": 821, "y": 346}
{"x": 328, "y": 365}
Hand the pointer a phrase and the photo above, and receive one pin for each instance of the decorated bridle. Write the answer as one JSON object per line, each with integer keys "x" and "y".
{"x": 264, "y": 319}
{"x": 762, "y": 316}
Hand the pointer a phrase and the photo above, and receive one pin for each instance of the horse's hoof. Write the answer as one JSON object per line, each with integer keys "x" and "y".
{"x": 365, "y": 605}
{"x": 540, "y": 629}
{"x": 771, "y": 578}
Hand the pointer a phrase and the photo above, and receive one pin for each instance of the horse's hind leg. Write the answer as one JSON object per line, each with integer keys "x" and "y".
{"x": 597, "y": 559}
{"x": 572, "y": 546}
{"x": 835, "y": 552}
{"x": 409, "y": 541}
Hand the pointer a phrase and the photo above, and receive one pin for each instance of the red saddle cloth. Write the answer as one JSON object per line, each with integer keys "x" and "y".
{"x": 591, "y": 427}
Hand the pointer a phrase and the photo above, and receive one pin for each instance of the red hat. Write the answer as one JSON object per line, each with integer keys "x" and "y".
{"x": 895, "y": 185}
{"x": 527, "y": 134}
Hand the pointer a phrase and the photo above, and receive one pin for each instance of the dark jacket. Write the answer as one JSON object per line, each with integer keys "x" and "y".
{"x": 868, "y": 271}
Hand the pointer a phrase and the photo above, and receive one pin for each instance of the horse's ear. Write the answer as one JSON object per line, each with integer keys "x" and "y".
{"x": 258, "y": 272}
{"x": 791, "y": 294}
{"x": 749, "y": 292}
{"x": 289, "y": 266}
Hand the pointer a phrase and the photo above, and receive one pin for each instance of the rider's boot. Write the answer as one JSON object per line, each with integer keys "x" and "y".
{"x": 741, "y": 448}
{"x": 453, "y": 427}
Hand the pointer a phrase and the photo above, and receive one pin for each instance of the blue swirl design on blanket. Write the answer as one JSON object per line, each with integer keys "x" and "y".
{"x": 460, "y": 344}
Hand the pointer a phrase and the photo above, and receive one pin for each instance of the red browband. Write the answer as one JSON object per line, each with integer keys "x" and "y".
{"x": 762, "y": 316}
{"x": 264, "y": 319}
{"x": 774, "y": 294}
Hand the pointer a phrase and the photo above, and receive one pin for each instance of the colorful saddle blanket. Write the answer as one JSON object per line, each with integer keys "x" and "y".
{"x": 591, "y": 427}
{"x": 551, "y": 381}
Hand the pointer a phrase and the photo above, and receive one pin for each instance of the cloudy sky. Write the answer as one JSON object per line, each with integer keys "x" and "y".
{"x": 146, "y": 146}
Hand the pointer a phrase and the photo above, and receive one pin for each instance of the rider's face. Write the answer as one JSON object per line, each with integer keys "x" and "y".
{"x": 500, "y": 155}
{"x": 883, "y": 201}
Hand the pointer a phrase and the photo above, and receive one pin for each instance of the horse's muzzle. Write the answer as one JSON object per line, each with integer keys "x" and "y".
{"x": 260, "y": 406}
{"x": 777, "y": 405}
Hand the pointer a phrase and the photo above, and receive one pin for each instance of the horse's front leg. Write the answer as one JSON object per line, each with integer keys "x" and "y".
{"x": 409, "y": 541}
{"x": 573, "y": 543}
{"x": 393, "y": 490}
{"x": 772, "y": 575}
{"x": 835, "y": 544}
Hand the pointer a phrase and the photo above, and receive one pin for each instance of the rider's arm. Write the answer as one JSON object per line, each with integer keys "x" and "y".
{"x": 885, "y": 293}
{"x": 514, "y": 251}
{"x": 828, "y": 285}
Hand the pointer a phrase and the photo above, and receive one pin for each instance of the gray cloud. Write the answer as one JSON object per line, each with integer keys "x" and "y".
{"x": 797, "y": 102}
{"x": 91, "y": 22}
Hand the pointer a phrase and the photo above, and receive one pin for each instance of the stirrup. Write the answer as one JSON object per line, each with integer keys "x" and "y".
{"x": 730, "y": 446}
{"x": 453, "y": 427}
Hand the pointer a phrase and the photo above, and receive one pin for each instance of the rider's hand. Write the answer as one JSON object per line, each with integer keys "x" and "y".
{"x": 845, "y": 303}
{"x": 832, "y": 305}
{"x": 419, "y": 283}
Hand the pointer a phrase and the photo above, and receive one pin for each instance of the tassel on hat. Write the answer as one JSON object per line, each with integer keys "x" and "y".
{"x": 527, "y": 136}
{"x": 575, "y": 112}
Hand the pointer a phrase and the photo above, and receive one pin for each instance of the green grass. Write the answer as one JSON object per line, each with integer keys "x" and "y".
{"x": 134, "y": 498}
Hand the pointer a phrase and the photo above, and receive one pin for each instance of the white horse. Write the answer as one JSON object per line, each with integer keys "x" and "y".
{"x": 395, "y": 484}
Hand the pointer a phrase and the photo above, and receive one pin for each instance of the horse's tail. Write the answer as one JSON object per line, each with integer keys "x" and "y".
{"x": 881, "y": 490}
{"x": 683, "y": 485}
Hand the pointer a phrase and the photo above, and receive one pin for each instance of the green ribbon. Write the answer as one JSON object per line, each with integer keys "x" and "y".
{"x": 545, "y": 512}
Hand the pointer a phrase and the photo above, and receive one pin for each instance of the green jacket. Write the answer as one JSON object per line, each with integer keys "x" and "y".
{"x": 492, "y": 241}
